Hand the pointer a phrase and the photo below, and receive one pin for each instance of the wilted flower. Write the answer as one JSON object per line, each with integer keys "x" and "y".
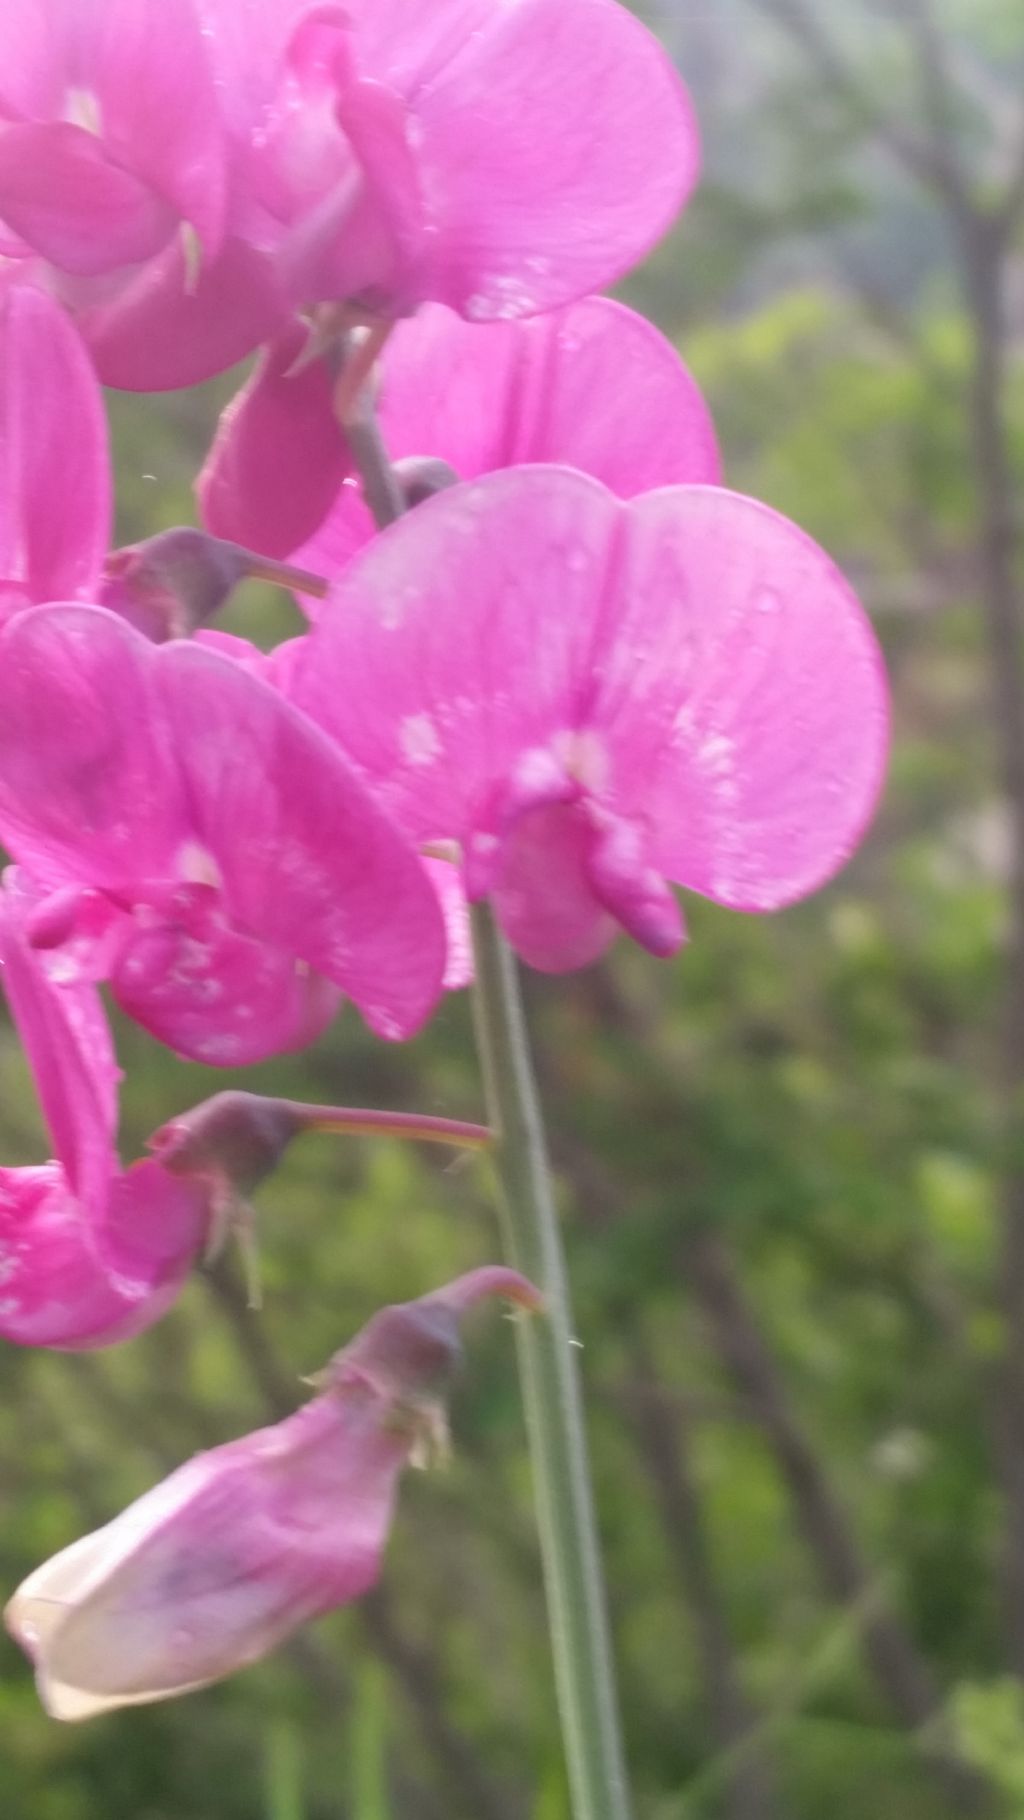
{"x": 592, "y": 699}
{"x": 204, "y": 846}
{"x": 211, "y": 1569}
{"x": 592, "y": 385}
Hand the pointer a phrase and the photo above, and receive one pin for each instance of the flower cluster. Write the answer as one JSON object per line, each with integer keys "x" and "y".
{"x": 576, "y": 672}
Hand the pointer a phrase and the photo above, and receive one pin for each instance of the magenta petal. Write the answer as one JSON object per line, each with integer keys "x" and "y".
{"x": 52, "y": 423}
{"x": 60, "y": 192}
{"x": 558, "y": 145}
{"x": 307, "y": 860}
{"x": 67, "y": 1042}
{"x": 220, "y": 997}
{"x": 743, "y": 693}
{"x": 163, "y": 330}
{"x": 543, "y": 896}
{"x": 89, "y": 784}
{"x": 74, "y": 1287}
{"x": 279, "y": 458}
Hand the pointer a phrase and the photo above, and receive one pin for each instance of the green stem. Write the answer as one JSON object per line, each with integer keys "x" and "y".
{"x": 584, "y": 1673}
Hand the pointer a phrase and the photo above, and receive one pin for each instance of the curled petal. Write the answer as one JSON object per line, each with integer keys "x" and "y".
{"x": 52, "y": 423}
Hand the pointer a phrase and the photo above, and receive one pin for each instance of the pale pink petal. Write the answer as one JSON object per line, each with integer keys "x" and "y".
{"x": 306, "y": 858}
{"x": 90, "y": 789}
{"x": 53, "y": 537}
{"x": 279, "y": 458}
{"x": 742, "y": 692}
{"x": 65, "y": 197}
{"x": 210, "y": 1569}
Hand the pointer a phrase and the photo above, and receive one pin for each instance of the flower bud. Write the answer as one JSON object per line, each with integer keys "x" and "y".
{"x": 173, "y": 583}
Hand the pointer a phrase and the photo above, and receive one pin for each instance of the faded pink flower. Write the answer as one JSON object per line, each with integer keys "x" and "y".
{"x": 202, "y": 844}
{"x": 89, "y": 1253}
{"x": 592, "y": 385}
{"x": 211, "y": 1569}
{"x": 55, "y": 505}
{"x": 595, "y": 699}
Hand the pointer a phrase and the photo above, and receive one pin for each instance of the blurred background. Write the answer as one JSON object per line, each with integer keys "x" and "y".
{"x": 791, "y": 1162}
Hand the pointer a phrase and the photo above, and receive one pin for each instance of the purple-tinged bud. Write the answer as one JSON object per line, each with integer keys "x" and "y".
{"x": 211, "y": 1569}
{"x": 170, "y": 585}
{"x": 421, "y": 476}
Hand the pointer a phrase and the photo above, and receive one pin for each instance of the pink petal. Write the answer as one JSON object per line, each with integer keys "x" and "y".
{"x": 279, "y": 458}
{"x": 459, "y": 641}
{"x": 52, "y": 422}
{"x": 743, "y": 693}
{"x": 90, "y": 790}
{"x": 158, "y": 106}
{"x": 556, "y": 145}
{"x": 163, "y": 331}
{"x": 592, "y": 385}
{"x": 308, "y": 861}
{"x": 74, "y": 206}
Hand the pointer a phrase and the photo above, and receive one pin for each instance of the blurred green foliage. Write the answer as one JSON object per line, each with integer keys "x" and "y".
{"x": 779, "y": 1157}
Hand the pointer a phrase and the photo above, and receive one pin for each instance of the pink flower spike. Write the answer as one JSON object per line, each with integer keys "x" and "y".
{"x": 110, "y": 133}
{"x": 592, "y": 385}
{"x": 53, "y": 531}
{"x": 593, "y": 697}
{"x": 238, "y": 848}
{"x": 211, "y": 1569}
{"x": 90, "y": 1255}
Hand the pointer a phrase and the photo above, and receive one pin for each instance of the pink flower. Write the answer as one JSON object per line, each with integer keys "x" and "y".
{"x": 501, "y": 156}
{"x": 55, "y": 505}
{"x": 89, "y": 1253}
{"x": 211, "y": 1569}
{"x": 592, "y": 385}
{"x": 204, "y": 846}
{"x": 594, "y": 699}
